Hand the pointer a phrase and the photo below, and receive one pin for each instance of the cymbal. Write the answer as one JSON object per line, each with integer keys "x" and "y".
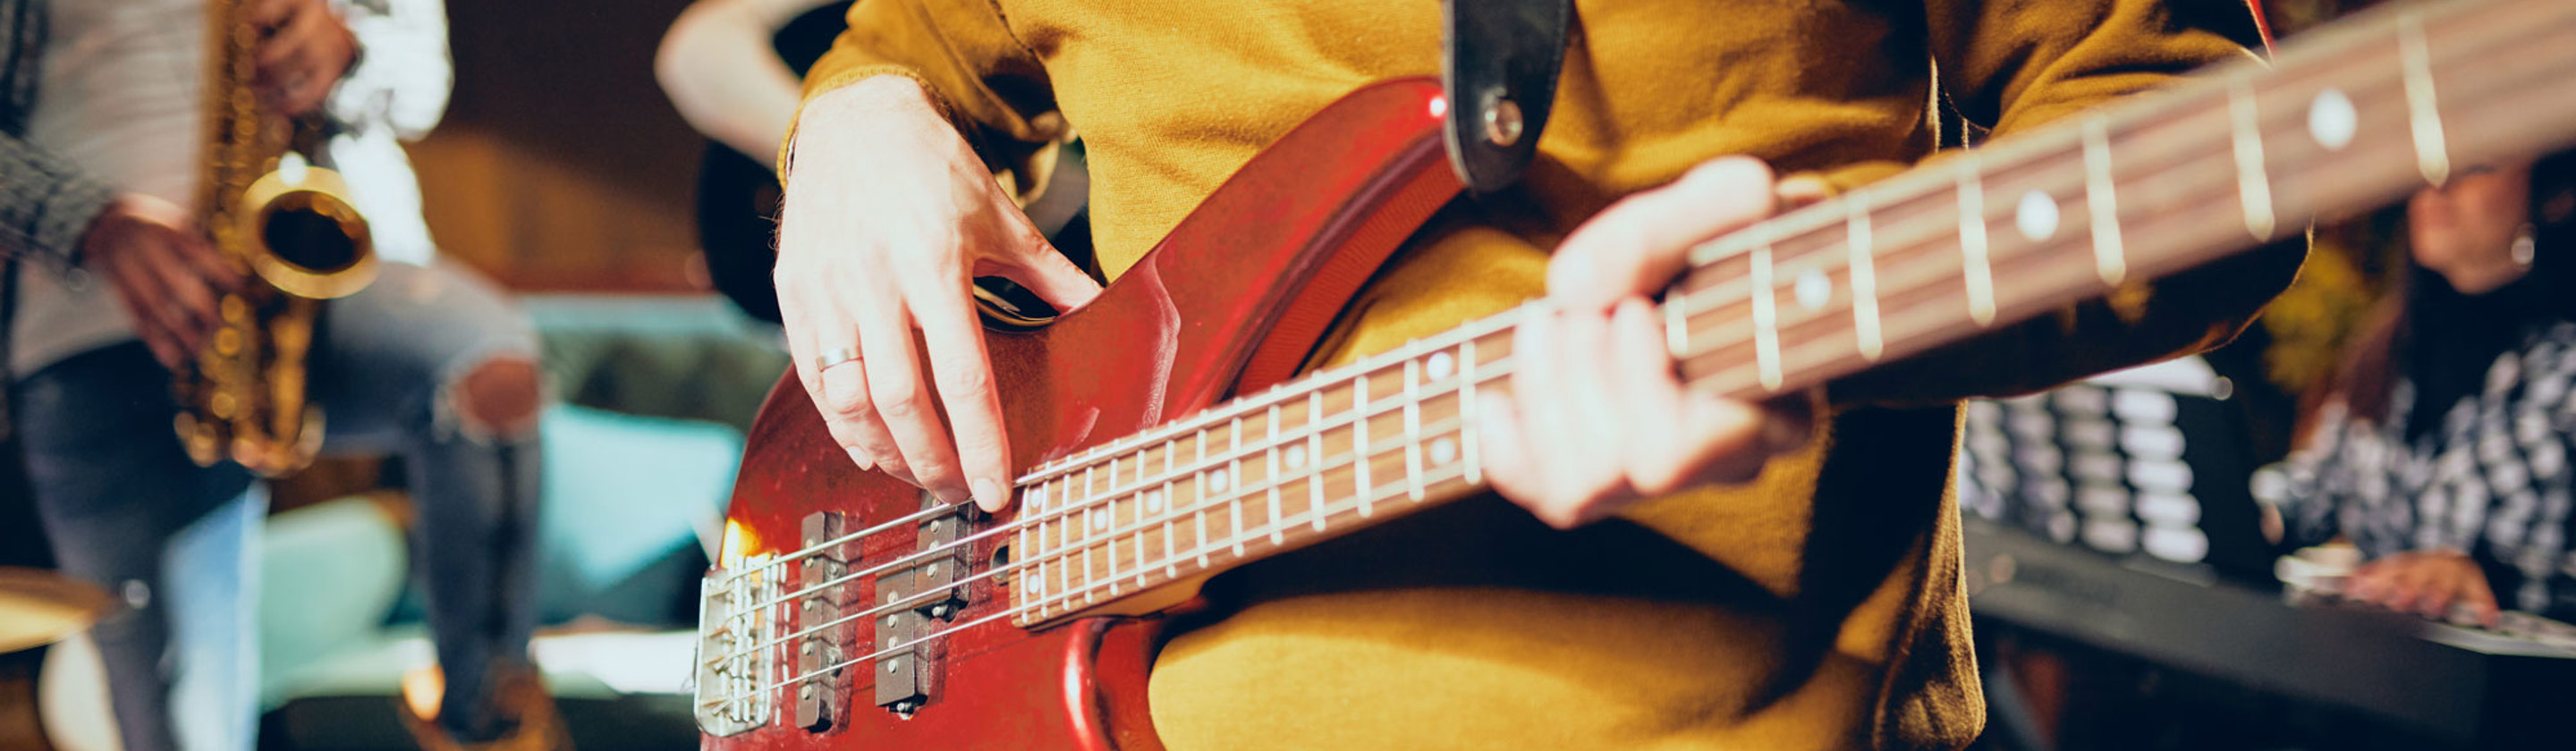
{"x": 38, "y": 607}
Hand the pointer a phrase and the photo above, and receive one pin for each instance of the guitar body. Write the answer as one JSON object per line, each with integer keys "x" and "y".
{"x": 1233, "y": 300}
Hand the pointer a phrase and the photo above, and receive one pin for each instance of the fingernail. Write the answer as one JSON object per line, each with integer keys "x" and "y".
{"x": 989, "y": 495}
{"x": 952, "y": 496}
{"x": 861, "y": 458}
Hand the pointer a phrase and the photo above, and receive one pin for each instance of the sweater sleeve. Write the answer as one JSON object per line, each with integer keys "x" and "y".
{"x": 403, "y": 76}
{"x": 46, "y": 204}
{"x": 2015, "y": 65}
{"x": 963, "y": 53}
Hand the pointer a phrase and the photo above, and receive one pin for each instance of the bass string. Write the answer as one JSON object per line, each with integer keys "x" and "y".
{"x": 1373, "y": 452}
{"x": 1332, "y": 509}
{"x": 1348, "y": 417}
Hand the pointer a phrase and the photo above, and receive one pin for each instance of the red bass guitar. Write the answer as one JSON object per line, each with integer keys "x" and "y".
{"x": 850, "y": 611}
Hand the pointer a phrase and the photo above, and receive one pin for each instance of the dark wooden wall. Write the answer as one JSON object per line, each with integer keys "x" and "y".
{"x": 560, "y": 166}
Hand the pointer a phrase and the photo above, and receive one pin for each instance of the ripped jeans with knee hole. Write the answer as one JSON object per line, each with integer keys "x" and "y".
{"x": 128, "y": 511}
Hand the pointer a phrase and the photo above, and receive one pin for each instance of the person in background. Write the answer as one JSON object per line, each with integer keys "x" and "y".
{"x": 734, "y": 68}
{"x": 2442, "y": 450}
{"x": 100, "y": 143}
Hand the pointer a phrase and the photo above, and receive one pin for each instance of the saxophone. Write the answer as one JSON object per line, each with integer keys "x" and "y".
{"x": 290, "y": 228}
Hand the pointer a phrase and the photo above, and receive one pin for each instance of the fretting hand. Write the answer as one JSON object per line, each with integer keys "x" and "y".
{"x": 163, "y": 269}
{"x": 888, "y": 215}
{"x": 1597, "y": 418}
{"x": 303, "y": 52}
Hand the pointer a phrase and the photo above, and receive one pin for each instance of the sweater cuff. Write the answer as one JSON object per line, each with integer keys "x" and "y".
{"x": 816, "y": 88}
{"x": 55, "y": 207}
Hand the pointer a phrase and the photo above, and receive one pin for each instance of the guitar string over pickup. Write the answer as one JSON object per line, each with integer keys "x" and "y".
{"x": 931, "y": 589}
{"x": 820, "y": 574}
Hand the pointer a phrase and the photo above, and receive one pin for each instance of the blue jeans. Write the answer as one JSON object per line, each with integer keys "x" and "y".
{"x": 128, "y": 511}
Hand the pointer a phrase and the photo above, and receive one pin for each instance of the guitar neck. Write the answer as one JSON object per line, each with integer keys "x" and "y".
{"x": 2351, "y": 118}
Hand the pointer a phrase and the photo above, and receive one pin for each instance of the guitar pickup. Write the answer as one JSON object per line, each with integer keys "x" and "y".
{"x": 940, "y": 571}
{"x": 930, "y": 587}
{"x": 819, "y": 609}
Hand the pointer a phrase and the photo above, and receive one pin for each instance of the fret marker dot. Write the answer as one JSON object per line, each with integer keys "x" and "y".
{"x": 1813, "y": 289}
{"x": 2037, "y": 216}
{"x": 2332, "y": 120}
{"x": 1439, "y": 365}
{"x": 1296, "y": 457}
{"x": 1099, "y": 519}
{"x": 1216, "y": 480}
{"x": 1031, "y": 584}
{"x": 1153, "y": 501}
{"x": 1037, "y": 498}
{"x": 1443, "y": 451}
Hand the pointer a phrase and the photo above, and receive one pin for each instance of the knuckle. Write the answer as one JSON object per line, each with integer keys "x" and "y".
{"x": 966, "y": 378}
{"x": 845, "y": 401}
{"x": 903, "y": 406}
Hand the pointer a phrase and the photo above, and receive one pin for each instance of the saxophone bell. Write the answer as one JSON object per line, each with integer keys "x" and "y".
{"x": 302, "y": 233}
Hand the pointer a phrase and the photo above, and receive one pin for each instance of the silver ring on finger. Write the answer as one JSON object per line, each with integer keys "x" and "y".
{"x": 835, "y": 356}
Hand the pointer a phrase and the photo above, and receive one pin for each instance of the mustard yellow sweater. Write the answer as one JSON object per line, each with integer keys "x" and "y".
{"x": 1818, "y": 607}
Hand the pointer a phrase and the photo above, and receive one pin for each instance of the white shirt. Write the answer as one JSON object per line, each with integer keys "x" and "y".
{"x": 119, "y": 97}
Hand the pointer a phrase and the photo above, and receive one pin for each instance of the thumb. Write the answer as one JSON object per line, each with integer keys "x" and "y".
{"x": 1045, "y": 271}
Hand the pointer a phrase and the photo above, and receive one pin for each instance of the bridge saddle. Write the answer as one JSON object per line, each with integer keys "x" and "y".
{"x": 733, "y": 668}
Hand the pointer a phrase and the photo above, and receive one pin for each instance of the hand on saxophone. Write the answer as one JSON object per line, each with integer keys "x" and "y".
{"x": 304, "y": 49}
{"x": 163, "y": 269}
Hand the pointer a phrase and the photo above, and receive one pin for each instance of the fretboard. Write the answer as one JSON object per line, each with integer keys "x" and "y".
{"x": 2349, "y": 119}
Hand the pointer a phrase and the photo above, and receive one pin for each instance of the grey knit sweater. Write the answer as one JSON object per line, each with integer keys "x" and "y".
{"x": 45, "y": 203}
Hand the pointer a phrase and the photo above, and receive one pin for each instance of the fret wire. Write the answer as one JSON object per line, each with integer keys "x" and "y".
{"x": 1198, "y": 500}
{"x": 1972, "y": 242}
{"x": 1278, "y": 519}
{"x": 1089, "y": 574}
{"x": 1171, "y": 558}
{"x": 2424, "y": 109}
{"x": 1863, "y": 262}
{"x": 1468, "y": 444}
{"x": 2253, "y": 182}
{"x": 1064, "y": 538}
{"x": 1412, "y": 423}
{"x": 1314, "y": 452}
{"x": 1233, "y": 473}
{"x": 1109, "y": 542}
{"x": 1766, "y": 339}
{"x": 1359, "y": 437}
{"x": 2109, "y": 260}
{"x": 1035, "y": 579}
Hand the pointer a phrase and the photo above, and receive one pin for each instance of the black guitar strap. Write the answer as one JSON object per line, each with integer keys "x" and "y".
{"x": 1500, "y": 69}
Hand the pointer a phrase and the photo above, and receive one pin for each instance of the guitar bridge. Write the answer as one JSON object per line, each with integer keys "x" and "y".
{"x": 734, "y": 667}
